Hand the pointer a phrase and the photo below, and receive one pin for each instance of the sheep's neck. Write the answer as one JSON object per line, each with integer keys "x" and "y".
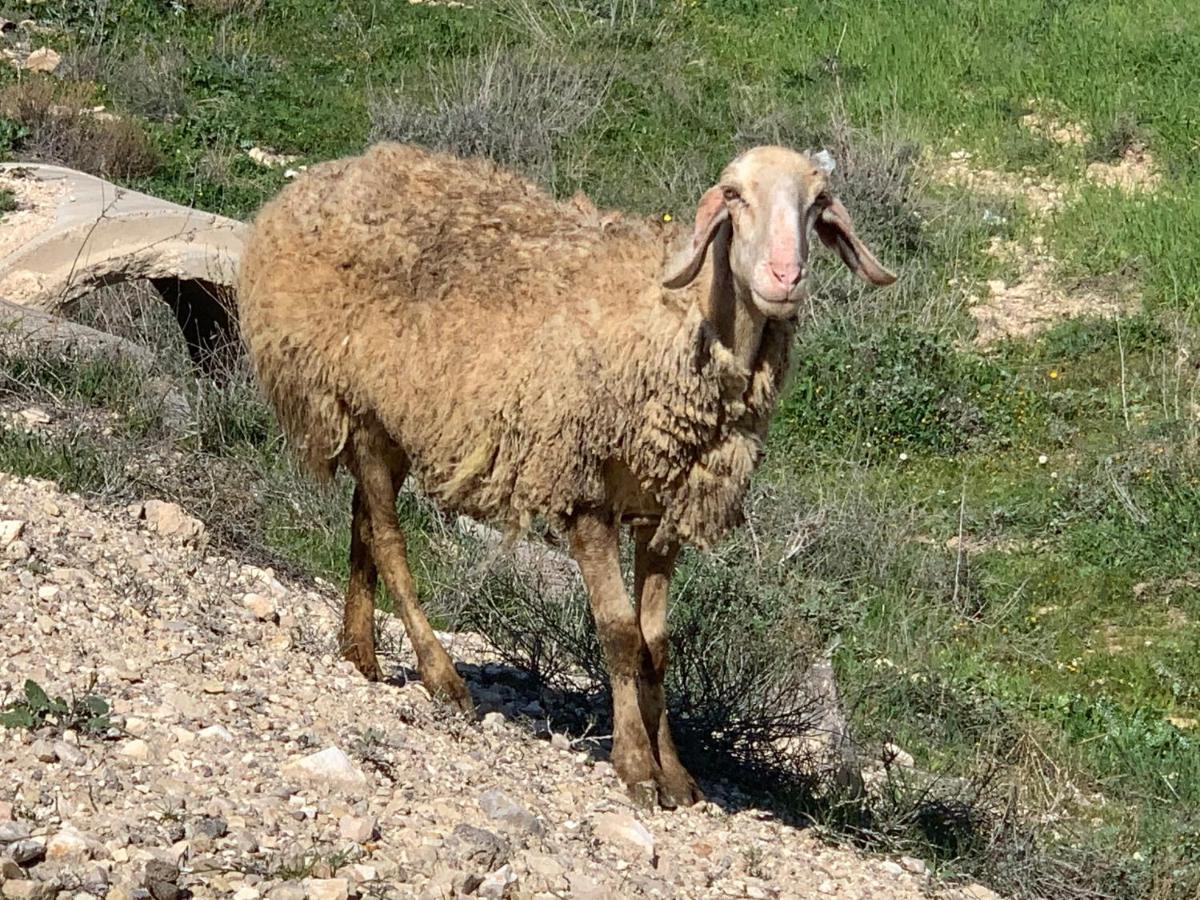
{"x": 732, "y": 313}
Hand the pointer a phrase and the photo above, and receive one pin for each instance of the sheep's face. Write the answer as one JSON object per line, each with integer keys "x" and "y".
{"x": 761, "y": 214}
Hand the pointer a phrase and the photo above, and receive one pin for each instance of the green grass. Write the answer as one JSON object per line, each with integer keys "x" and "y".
{"x": 1079, "y": 630}
{"x": 1058, "y": 651}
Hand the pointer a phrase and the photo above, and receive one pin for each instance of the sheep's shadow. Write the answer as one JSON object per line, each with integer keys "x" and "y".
{"x": 823, "y": 785}
{"x": 735, "y": 767}
{"x": 790, "y": 758}
{"x": 580, "y": 721}
{"x": 582, "y": 716}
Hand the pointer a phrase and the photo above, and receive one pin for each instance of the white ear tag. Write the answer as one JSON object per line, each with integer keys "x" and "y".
{"x": 825, "y": 161}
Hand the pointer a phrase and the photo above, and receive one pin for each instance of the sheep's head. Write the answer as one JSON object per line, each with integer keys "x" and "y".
{"x": 760, "y": 213}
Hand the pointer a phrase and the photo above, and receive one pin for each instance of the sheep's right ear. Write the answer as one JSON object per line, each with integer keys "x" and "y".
{"x": 711, "y": 214}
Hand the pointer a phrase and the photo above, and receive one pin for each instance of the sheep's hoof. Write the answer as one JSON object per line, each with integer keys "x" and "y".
{"x": 365, "y": 662}
{"x": 454, "y": 694}
{"x": 677, "y": 788}
{"x": 665, "y": 791}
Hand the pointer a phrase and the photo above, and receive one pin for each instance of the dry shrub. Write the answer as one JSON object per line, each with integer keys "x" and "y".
{"x": 538, "y": 623}
{"x": 748, "y": 623}
{"x": 62, "y": 128}
{"x": 216, "y": 165}
{"x": 85, "y": 61}
{"x": 512, "y": 107}
{"x": 559, "y": 23}
{"x": 134, "y": 311}
{"x": 1124, "y": 135}
{"x": 877, "y": 174}
{"x": 149, "y": 81}
{"x": 152, "y": 83}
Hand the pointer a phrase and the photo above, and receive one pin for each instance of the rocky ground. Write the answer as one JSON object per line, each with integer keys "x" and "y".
{"x": 241, "y": 758}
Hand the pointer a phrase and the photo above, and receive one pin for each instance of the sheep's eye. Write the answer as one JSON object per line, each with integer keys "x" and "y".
{"x": 731, "y": 194}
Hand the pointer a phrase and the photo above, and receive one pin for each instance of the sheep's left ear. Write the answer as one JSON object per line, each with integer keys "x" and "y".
{"x": 837, "y": 232}
{"x": 711, "y": 214}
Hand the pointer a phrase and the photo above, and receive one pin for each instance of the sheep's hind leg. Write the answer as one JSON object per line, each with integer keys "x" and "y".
{"x": 380, "y": 483}
{"x": 358, "y": 621}
{"x": 594, "y": 544}
{"x": 652, "y": 579}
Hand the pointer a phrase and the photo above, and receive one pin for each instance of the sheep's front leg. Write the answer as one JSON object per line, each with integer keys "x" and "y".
{"x": 652, "y": 580}
{"x": 594, "y": 544}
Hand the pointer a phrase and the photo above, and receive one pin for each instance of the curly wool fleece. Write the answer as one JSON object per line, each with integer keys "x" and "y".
{"x": 520, "y": 351}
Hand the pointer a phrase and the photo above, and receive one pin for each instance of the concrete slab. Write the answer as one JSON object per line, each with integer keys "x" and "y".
{"x": 73, "y": 232}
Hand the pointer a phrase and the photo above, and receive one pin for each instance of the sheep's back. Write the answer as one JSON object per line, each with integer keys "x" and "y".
{"x": 404, "y": 225}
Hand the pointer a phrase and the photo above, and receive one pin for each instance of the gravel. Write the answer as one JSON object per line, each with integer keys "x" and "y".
{"x": 245, "y": 759}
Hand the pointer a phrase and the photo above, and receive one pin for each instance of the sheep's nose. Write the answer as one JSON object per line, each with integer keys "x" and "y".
{"x": 787, "y": 274}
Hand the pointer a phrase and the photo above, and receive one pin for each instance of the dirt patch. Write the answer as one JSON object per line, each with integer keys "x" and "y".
{"x": 1041, "y": 194}
{"x": 1178, "y": 618}
{"x": 1036, "y": 299}
{"x": 1033, "y": 304}
{"x": 1166, "y": 589}
{"x": 972, "y": 545}
{"x": 1058, "y": 131}
{"x": 1135, "y": 172}
{"x": 1118, "y": 640}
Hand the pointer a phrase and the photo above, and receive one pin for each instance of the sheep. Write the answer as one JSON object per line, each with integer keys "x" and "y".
{"x": 410, "y": 312}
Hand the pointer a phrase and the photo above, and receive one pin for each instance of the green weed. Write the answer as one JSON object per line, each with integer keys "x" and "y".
{"x": 900, "y": 389}
{"x": 35, "y": 709}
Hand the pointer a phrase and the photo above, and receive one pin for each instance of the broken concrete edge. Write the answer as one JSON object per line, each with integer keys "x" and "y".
{"x": 64, "y": 270}
{"x": 102, "y": 233}
{"x": 25, "y": 331}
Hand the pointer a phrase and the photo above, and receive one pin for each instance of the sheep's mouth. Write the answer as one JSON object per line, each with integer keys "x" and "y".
{"x": 781, "y": 308}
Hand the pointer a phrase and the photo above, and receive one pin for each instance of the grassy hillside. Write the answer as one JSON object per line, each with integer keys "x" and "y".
{"x": 999, "y": 538}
